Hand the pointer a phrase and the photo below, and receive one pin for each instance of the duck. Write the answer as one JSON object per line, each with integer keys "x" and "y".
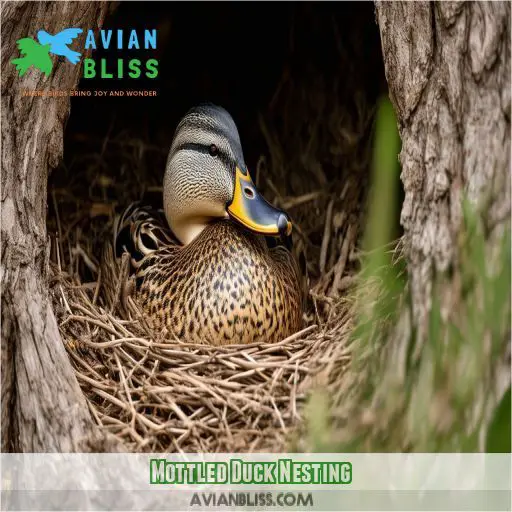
{"x": 214, "y": 265}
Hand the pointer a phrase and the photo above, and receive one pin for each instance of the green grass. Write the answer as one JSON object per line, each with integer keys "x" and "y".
{"x": 402, "y": 393}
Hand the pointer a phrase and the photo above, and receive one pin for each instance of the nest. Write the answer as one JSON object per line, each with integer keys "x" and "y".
{"x": 163, "y": 396}
{"x": 160, "y": 395}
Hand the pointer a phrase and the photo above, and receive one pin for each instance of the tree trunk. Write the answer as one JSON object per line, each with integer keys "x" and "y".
{"x": 448, "y": 69}
{"x": 43, "y": 409}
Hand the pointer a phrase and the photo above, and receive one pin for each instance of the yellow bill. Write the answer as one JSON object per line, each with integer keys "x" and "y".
{"x": 252, "y": 210}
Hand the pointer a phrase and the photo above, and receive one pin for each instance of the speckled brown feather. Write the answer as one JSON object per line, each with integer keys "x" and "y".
{"x": 225, "y": 287}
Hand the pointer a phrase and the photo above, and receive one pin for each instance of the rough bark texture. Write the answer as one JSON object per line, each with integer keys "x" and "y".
{"x": 43, "y": 409}
{"x": 448, "y": 69}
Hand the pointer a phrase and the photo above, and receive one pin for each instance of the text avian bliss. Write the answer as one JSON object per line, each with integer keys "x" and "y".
{"x": 120, "y": 39}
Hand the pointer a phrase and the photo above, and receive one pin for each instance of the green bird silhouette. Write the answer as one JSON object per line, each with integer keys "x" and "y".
{"x": 34, "y": 54}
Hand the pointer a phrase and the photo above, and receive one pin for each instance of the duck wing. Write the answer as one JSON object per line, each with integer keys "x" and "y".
{"x": 138, "y": 232}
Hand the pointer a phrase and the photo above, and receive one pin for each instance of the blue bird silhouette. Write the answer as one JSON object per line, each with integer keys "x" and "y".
{"x": 60, "y": 41}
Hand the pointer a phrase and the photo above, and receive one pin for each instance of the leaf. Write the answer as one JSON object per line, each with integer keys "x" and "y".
{"x": 498, "y": 435}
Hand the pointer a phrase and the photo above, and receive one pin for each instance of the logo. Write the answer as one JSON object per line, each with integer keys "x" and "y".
{"x": 37, "y": 54}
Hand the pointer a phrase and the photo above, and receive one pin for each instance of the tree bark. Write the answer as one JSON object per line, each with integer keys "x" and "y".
{"x": 447, "y": 65}
{"x": 43, "y": 409}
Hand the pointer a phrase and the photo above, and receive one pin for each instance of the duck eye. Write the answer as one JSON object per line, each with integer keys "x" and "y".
{"x": 214, "y": 150}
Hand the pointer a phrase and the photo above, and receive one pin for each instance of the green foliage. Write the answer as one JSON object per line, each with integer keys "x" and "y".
{"x": 383, "y": 280}
{"x": 317, "y": 418}
{"x": 499, "y": 434}
{"x": 455, "y": 369}
{"x": 383, "y": 205}
{"x": 434, "y": 393}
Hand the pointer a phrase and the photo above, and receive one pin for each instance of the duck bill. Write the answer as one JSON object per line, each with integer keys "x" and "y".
{"x": 253, "y": 211}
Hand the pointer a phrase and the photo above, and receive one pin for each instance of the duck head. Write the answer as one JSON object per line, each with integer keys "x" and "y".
{"x": 206, "y": 179}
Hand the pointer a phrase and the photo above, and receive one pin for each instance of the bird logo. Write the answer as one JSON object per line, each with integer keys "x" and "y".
{"x": 37, "y": 54}
{"x": 33, "y": 54}
{"x": 58, "y": 43}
